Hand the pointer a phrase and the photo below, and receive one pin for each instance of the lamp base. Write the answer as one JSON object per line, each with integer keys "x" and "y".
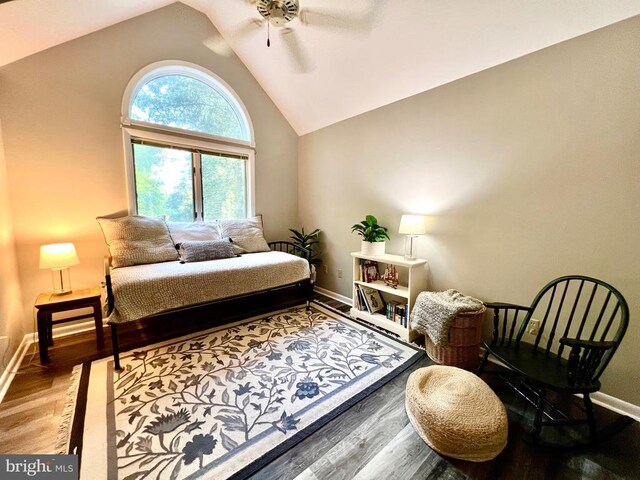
{"x": 61, "y": 281}
{"x": 409, "y": 254}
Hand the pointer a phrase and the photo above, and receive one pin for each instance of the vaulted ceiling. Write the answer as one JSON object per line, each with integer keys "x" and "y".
{"x": 346, "y": 58}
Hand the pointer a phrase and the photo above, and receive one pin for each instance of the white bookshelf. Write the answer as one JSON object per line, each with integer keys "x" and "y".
{"x": 413, "y": 280}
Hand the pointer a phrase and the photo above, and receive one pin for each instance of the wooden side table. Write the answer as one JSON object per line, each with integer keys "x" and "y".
{"x": 48, "y": 304}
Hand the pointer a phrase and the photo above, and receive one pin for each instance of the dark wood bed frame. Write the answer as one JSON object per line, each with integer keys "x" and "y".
{"x": 306, "y": 286}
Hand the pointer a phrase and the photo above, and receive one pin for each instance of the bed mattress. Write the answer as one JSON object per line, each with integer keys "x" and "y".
{"x": 143, "y": 290}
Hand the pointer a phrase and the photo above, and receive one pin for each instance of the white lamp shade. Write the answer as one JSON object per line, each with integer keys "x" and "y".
{"x": 412, "y": 225}
{"x": 58, "y": 255}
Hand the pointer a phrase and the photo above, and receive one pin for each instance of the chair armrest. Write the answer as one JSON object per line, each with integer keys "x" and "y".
{"x": 584, "y": 359}
{"x": 505, "y": 306}
{"x": 588, "y": 344}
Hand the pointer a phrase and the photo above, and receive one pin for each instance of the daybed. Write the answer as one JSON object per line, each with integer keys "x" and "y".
{"x": 157, "y": 267}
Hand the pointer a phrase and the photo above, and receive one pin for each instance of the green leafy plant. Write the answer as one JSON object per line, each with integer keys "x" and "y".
{"x": 308, "y": 241}
{"x": 370, "y": 230}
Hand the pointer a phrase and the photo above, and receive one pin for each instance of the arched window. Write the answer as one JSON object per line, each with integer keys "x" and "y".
{"x": 189, "y": 145}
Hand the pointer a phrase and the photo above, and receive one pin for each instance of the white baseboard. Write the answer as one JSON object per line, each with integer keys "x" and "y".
{"x": 607, "y": 401}
{"x": 13, "y": 365}
{"x": 334, "y": 295}
{"x": 616, "y": 405}
{"x": 30, "y": 338}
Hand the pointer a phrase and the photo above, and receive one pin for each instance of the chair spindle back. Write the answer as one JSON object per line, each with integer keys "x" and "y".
{"x": 577, "y": 307}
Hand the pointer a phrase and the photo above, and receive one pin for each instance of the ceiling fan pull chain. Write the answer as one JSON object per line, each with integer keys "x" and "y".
{"x": 268, "y": 33}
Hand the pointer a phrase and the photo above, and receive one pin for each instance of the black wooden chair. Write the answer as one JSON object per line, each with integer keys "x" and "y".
{"x": 581, "y": 323}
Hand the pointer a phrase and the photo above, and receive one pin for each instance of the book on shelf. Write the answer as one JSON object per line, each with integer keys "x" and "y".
{"x": 391, "y": 310}
{"x": 362, "y": 299}
{"x": 400, "y": 314}
{"x": 372, "y": 299}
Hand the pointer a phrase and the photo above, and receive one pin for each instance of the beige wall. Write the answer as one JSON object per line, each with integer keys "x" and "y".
{"x": 61, "y": 110}
{"x": 529, "y": 170}
{"x": 11, "y": 313}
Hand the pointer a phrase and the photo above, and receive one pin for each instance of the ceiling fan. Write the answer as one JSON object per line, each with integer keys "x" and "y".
{"x": 278, "y": 13}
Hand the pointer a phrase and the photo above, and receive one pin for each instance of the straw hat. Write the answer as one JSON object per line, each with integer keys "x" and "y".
{"x": 456, "y": 413}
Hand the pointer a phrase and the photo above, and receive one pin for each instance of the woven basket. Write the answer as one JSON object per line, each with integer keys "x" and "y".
{"x": 463, "y": 347}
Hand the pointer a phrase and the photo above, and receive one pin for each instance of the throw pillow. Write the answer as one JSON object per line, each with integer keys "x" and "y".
{"x": 246, "y": 234}
{"x": 201, "y": 250}
{"x": 136, "y": 240}
{"x": 181, "y": 232}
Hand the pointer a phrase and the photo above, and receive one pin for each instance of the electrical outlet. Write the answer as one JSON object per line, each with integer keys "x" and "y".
{"x": 339, "y": 273}
{"x": 325, "y": 269}
{"x": 533, "y": 326}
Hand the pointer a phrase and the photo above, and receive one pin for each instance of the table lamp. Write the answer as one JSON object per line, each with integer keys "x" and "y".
{"x": 411, "y": 226}
{"x": 59, "y": 257}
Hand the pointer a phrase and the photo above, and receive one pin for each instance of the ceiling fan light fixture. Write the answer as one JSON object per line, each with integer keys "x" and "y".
{"x": 278, "y": 12}
{"x": 276, "y": 17}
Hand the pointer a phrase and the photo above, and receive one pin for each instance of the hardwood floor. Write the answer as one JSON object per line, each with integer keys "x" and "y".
{"x": 374, "y": 440}
{"x": 371, "y": 440}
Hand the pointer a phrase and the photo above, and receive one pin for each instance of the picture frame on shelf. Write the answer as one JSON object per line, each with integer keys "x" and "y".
{"x": 371, "y": 271}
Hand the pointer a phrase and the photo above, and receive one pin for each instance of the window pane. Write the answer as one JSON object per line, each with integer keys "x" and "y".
{"x": 164, "y": 184}
{"x": 184, "y": 102}
{"x": 223, "y": 187}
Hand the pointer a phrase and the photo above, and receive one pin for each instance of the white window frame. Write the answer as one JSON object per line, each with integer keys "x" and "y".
{"x": 177, "y": 137}
{"x": 131, "y": 134}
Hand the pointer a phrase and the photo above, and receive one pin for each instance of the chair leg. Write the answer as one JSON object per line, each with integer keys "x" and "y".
{"x": 591, "y": 419}
{"x": 483, "y": 363}
{"x": 537, "y": 422}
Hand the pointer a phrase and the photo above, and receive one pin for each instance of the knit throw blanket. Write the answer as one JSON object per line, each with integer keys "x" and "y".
{"x": 434, "y": 311}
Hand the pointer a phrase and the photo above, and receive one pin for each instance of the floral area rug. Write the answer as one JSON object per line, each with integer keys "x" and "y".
{"x": 225, "y": 402}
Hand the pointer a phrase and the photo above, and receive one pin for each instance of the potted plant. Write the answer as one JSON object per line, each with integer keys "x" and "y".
{"x": 308, "y": 241}
{"x": 373, "y": 236}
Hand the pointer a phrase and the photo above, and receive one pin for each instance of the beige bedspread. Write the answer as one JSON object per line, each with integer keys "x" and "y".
{"x": 143, "y": 290}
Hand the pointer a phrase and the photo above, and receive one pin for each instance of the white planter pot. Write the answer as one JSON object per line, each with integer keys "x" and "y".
{"x": 372, "y": 248}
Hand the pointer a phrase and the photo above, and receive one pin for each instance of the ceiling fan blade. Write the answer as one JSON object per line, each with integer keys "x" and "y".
{"x": 301, "y": 62}
{"x": 333, "y": 20}
{"x": 218, "y": 45}
{"x": 344, "y": 20}
{"x": 247, "y": 27}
